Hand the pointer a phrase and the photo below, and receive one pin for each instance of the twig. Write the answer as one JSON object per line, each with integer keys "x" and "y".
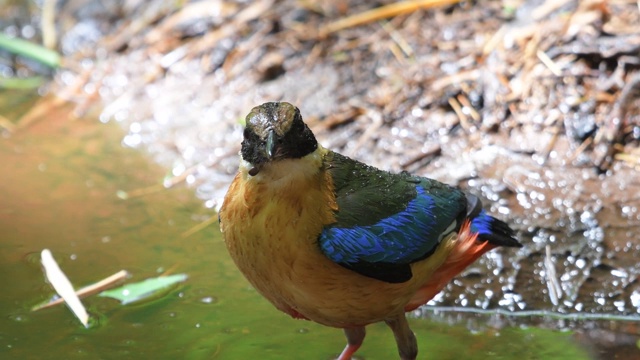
{"x": 547, "y": 8}
{"x": 610, "y": 133}
{"x": 554, "y": 137}
{"x": 383, "y": 12}
{"x": 630, "y": 159}
{"x": 549, "y": 63}
{"x": 126, "y": 195}
{"x": 341, "y": 118}
{"x": 464, "y": 101}
{"x": 555, "y": 290}
{"x": 239, "y": 21}
{"x": 433, "y": 151}
{"x": 462, "y": 117}
{"x": 377, "y": 123}
{"x": 167, "y": 184}
{"x": 89, "y": 290}
{"x": 200, "y": 226}
{"x": 467, "y": 75}
{"x": 585, "y": 144}
{"x": 494, "y": 40}
{"x": 142, "y": 22}
{"x": 398, "y": 39}
{"x": 47, "y": 21}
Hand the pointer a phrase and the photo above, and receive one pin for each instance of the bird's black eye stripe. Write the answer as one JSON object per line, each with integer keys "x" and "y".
{"x": 251, "y": 147}
{"x": 299, "y": 140}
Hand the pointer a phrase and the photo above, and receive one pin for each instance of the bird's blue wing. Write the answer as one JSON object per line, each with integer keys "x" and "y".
{"x": 387, "y": 221}
{"x": 400, "y": 238}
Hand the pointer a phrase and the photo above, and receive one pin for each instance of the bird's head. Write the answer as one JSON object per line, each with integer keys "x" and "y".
{"x": 275, "y": 131}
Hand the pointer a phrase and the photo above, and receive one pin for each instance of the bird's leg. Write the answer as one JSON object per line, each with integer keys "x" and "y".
{"x": 406, "y": 341}
{"x": 355, "y": 336}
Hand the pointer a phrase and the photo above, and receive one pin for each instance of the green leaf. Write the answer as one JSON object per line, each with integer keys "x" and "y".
{"x": 28, "y": 49}
{"x": 21, "y": 83}
{"x": 143, "y": 290}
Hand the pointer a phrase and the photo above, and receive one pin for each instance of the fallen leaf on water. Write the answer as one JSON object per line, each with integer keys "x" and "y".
{"x": 142, "y": 290}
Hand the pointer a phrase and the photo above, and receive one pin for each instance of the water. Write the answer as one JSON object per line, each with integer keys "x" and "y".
{"x": 59, "y": 189}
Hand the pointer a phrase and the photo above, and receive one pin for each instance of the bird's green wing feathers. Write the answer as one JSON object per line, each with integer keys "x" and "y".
{"x": 386, "y": 221}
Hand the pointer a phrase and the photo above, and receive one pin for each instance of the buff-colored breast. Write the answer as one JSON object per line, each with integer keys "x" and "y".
{"x": 271, "y": 223}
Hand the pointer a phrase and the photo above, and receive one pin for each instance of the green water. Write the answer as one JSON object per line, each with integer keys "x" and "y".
{"x": 58, "y": 190}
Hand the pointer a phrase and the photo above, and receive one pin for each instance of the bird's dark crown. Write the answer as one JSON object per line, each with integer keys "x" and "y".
{"x": 275, "y": 131}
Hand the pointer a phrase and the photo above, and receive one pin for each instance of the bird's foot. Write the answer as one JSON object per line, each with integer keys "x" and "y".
{"x": 406, "y": 340}
{"x": 355, "y": 336}
{"x": 348, "y": 352}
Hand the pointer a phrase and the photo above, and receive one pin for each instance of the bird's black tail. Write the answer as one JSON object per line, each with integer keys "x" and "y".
{"x": 490, "y": 229}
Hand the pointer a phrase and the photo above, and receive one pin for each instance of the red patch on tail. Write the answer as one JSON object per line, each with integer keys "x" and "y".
{"x": 466, "y": 250}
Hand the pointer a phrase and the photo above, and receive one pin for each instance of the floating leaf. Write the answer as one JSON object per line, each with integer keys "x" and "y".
{"x": 142, "y": 290}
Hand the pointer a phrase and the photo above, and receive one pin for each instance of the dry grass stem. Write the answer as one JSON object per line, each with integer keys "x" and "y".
{"x": 200, "y": 226}
{"x": 92, "y": 289}
{"x": 383, "y": 12}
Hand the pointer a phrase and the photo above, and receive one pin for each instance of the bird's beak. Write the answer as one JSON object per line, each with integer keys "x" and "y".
{"x": 271, "y": 143}
{"x": 270, "y": 150}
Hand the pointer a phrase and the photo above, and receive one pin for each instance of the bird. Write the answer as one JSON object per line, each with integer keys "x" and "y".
{"x": 327, "y": 238}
